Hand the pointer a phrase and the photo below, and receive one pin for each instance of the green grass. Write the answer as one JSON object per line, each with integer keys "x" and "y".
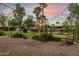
{"x": 31, "y": 34}
{"x": 9, "y": 33}
{"x": 60, "y": 36}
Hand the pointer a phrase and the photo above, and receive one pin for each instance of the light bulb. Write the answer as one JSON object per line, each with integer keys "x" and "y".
{"x": 68, "y": 12}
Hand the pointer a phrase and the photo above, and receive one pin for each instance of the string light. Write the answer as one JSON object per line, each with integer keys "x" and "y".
{"x": 7, "y": 7}
{"x": 68, "y": 12}
{"x": 4, "y": 8}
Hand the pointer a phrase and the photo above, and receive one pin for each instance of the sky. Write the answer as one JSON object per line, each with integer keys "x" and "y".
{"x": 51, "y": 11}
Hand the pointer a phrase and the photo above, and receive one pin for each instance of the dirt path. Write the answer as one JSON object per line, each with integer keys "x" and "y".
{"x": 11, "y": 46}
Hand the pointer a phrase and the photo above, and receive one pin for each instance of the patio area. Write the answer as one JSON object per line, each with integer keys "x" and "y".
{"x": 28, "y": 47}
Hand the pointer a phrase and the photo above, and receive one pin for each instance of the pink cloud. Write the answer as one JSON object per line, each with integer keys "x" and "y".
{"x": 50, "y": 10}
{"x": 8, "y": 11}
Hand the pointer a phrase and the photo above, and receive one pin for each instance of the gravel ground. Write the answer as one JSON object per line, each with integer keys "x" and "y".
{"x": 28, "y": 47}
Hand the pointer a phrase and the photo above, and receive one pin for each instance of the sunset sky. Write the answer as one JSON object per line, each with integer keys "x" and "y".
{"x": 51, "y": 11}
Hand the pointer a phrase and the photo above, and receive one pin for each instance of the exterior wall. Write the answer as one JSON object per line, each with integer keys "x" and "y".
{"x": 58, "y": 29}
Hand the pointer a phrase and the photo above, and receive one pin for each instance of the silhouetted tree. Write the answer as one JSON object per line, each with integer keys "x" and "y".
{"x": 19, "y": 15}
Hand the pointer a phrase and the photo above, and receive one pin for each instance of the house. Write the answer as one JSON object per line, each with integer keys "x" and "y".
{"x": 58, "y": 28}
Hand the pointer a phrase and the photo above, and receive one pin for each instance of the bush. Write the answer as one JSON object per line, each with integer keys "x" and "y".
{"x": 45, "y": 38}
{"x": 36, "y": 37}
{"x": 12, "y": 29}
{"x": 17, "y": 35}
{"x": 2, "y": 33}
{"x": 56, "y": 39}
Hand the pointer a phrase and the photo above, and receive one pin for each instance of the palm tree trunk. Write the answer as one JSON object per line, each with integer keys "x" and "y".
{"x": 42, "y": 20}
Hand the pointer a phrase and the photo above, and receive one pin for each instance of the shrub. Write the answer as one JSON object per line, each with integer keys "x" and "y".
{"x": 17, "y": 35}
{"x": 12, "y": 29}
{"x": 25, "y": 37}
{"x": 2, "y": 33}
{"x": 45, "y": 38}
{"x": 56, "y": 39}
{"x": 36, "y": 37}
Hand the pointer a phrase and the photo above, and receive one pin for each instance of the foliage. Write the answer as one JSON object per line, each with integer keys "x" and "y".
{"x": 74, "y": 10}
{"x": 74, "y": 14}
{"x": 2, "y": 33}
{"x": 46, "y": 37}
{"x": 19, "y": 15}
{"x": 3, "y": 20}
{"x": 42, "y": 6}
{"x": 37, "y": 11}
{"x": 69, "y": 24}
{"x": 29, "y": 23}
{"x": 12, "y": 23}
{"x": 17, "y": 35}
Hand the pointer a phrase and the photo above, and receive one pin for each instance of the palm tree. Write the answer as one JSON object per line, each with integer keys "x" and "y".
{"x": 37, "y": 11}
{"x": 43, "y": 6}
{"x": 19, "y": 15}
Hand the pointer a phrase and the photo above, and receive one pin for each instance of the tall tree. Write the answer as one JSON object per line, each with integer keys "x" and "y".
{"x": 12, "y": 23}
{"x": 43, "y": 17}
{"x": 69, "y": 26}
{"x": 74, "y": 14}
{"x": 29, "y": 23}
{"x": 19, "y": 15}
{"x": 3, "y": 20}
{"x": 43, "y": 6}
{"x": 37, "y": 11}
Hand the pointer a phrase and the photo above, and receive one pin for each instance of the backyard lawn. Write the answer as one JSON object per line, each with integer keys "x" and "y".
{"x": 31, "y": 34}
{"x": 60, "y": 35}
{"x": 35, "y": 32}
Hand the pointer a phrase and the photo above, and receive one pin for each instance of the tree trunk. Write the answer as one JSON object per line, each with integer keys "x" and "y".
{"x": 42, "y": 19}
